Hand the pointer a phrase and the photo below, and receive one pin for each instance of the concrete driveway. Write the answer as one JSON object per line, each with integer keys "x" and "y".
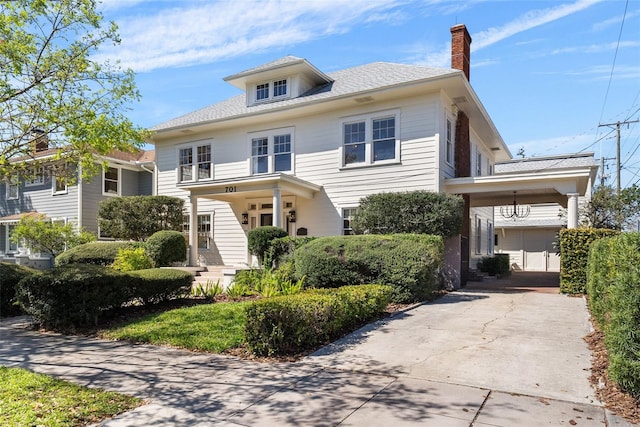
{"x": 471, "y": 358}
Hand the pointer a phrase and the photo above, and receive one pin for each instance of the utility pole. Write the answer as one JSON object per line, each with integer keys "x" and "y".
{"x": 618, "y": 167}
{"x": 603, "y": 177}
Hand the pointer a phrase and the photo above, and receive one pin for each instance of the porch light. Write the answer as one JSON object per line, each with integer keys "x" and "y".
{"x": 292, "y": 216}
{"x": 245, "y": 218}
{"x": 515, "y": 212}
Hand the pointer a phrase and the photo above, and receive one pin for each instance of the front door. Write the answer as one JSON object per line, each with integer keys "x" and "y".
{"x": 266, "y": 219}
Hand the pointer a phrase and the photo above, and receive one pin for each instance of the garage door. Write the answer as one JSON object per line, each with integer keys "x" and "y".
{"x": 539, "y": 254}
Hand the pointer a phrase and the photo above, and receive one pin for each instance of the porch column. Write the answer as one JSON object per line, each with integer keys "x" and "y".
{"x": 572, "y": 210}
{"x": 277, "y": 208}
{"x": 193, "y": 231}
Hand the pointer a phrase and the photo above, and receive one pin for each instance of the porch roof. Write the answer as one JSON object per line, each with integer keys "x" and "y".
{"x": 17, "y": 217}
{"x": 232, "y": 189}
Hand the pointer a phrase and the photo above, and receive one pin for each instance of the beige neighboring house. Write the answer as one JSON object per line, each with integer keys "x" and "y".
{"x": 299, "y": 148}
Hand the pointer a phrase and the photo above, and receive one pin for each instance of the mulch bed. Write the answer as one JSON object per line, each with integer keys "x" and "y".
{"x": 614, "y": 399}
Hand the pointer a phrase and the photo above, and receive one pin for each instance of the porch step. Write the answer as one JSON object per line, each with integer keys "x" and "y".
{"x": 214, "y": 273}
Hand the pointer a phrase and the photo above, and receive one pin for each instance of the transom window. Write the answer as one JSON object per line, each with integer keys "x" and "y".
{"x": 195, "y": 163}
{"x": 370, "y": 140}
{"x": 111, "y": 180}
{"x": 271, "y": 151}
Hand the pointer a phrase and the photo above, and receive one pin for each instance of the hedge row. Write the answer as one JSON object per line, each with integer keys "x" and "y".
{"x": 96, "y": 253}
{"x": 409, "y": 263}
{"x": 294, "y": 323}
{"x": 574, "y": 253}
{"x": 77, "y": 295}
{"x": 10, "y": 275}
{"x": 614, "y": 299}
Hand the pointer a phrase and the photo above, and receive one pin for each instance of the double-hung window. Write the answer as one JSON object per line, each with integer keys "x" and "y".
{"x": 478, "y": 163}
{"x": 111, "y": 181}
{"x": 35, "y": 177}
{"x": 370, "y": 140}
{"x": 449, "y": 147}
{"x": 347, "y": 218}
{"x": 271, "y": 151}
{"x": 195, "y": 163}
{"x": 12, "y": 187}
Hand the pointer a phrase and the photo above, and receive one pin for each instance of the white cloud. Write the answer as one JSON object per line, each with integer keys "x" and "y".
{"x": 616, "y": 20}
{"x": 203, "y": 32}
{"x": 597, "y": 48}
{"x": 493, "y": 35}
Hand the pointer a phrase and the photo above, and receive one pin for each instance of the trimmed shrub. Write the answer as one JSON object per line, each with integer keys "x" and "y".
{"x": 421, "y": 212}
{"x": 97, "y": 253}
{"x": 259, "y": 239}
{"x": 130, "y": 259}
{"x": 73, "y": 295}
{"x": 497, "y": 265}
{"x": 410, "y": 263}
{"x": 166, "y": 247}
{"x": 295, "y": 323}
{"x": 614, "y": 298}
{"x": 283, "y": 248}
{"x": 574, "y": 253}
{"x": 10, "y": 275}
{"x": 159, "y": 284}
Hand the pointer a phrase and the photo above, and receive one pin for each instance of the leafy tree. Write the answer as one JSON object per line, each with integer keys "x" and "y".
{"x": 421, "y": 212}
{"x": 53, "y": 95}
{"x": 138, "y": 217}
{"x": 51, "y": 237}
{"x": 606, "y": 209}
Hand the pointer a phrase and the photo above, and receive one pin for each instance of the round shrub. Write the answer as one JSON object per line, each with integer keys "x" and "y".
{"x": 10, "y": 275}
{"x": 73, "y": 295}
{"x": 410, "y": 263}
{"x": 259, "y": 240}
{"x": 159, "y": 284}
{"x": 166, "y": 247}
{"x": 97, "y": 253}
{"x": 130, "y": 259}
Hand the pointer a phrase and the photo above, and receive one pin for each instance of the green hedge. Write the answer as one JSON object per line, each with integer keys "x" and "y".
{"x": 10, "y": 275}
{"x": 73, "y": 295}
{"x": 614, "y": 299}
{"x": 574, "y": 253}
{"x": 410, "y": 263}
{"x": 495, "y": 265}
{"x": 160, "y": 284}
{"x": 282, "y": 248}
{"x": 166, "y": 247}
{"x": 97, "y": 253}
{"x": 259, "y": 239}
{"x": 295, "y": 323}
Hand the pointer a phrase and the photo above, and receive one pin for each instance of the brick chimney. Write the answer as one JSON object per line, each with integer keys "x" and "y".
{"x": 460, "y": 48}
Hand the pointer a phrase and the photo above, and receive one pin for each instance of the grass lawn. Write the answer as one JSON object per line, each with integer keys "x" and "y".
{"x": 208, "y": 327}
{"x": 30, "y": 399}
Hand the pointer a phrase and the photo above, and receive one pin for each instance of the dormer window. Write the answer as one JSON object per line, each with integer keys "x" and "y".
{"x": 272, "y": 90}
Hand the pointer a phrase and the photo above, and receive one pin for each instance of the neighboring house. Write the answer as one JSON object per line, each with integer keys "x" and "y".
{"x": 45, "y": 194}
{"x": 299, "y": 148}
{"x": 530, "y": 241}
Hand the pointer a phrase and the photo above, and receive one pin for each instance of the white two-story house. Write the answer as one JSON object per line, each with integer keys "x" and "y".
{"x": 299, "y": 148}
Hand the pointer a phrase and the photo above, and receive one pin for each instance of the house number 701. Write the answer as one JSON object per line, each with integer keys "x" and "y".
{"x": 231, "y": 189}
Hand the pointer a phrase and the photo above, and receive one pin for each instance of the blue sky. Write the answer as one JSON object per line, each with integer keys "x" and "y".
{"x": 548, "y": 72}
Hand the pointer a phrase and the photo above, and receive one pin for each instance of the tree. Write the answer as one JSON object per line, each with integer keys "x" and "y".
{"x": 421, "y": 212}
{"x": 606, "y": 209}
{"x": 42, "y": 235}
{"x": 53, "y": 95}
{"x": 138, "y": 217}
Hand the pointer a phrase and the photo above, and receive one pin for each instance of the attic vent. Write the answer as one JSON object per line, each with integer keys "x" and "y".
{"x": 252, "y": 207}
{"x": 460, "y": 99}
{"x": 364, "y": 99}
{"x": 495, "y": 148}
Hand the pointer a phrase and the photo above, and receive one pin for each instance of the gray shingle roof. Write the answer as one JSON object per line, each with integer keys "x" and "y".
{"x": 285, "y": 60}
{"x": 346, "y": 82}
{"x": 539, "y": 164}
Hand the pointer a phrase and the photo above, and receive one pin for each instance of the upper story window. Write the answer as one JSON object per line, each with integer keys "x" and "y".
{"x": 478, "y": 163}
{"x": 195, "y": 163}
{"x": 271, "y": 90}
{"x": 369, "y": 140}
{"x": 35, "y": 177}
{"x": 12, "y": 188}
{"x": 59, "y": 185}
{"x": 449, "y": 139}
{"x": 271, "y": 151}
{"x": 111, "y": 181}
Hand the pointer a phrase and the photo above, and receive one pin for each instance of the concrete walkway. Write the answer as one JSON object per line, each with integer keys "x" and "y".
{"x": 471, "y": 358}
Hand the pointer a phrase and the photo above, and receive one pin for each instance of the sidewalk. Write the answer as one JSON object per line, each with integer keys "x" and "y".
{"x": 480, "y": 358}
